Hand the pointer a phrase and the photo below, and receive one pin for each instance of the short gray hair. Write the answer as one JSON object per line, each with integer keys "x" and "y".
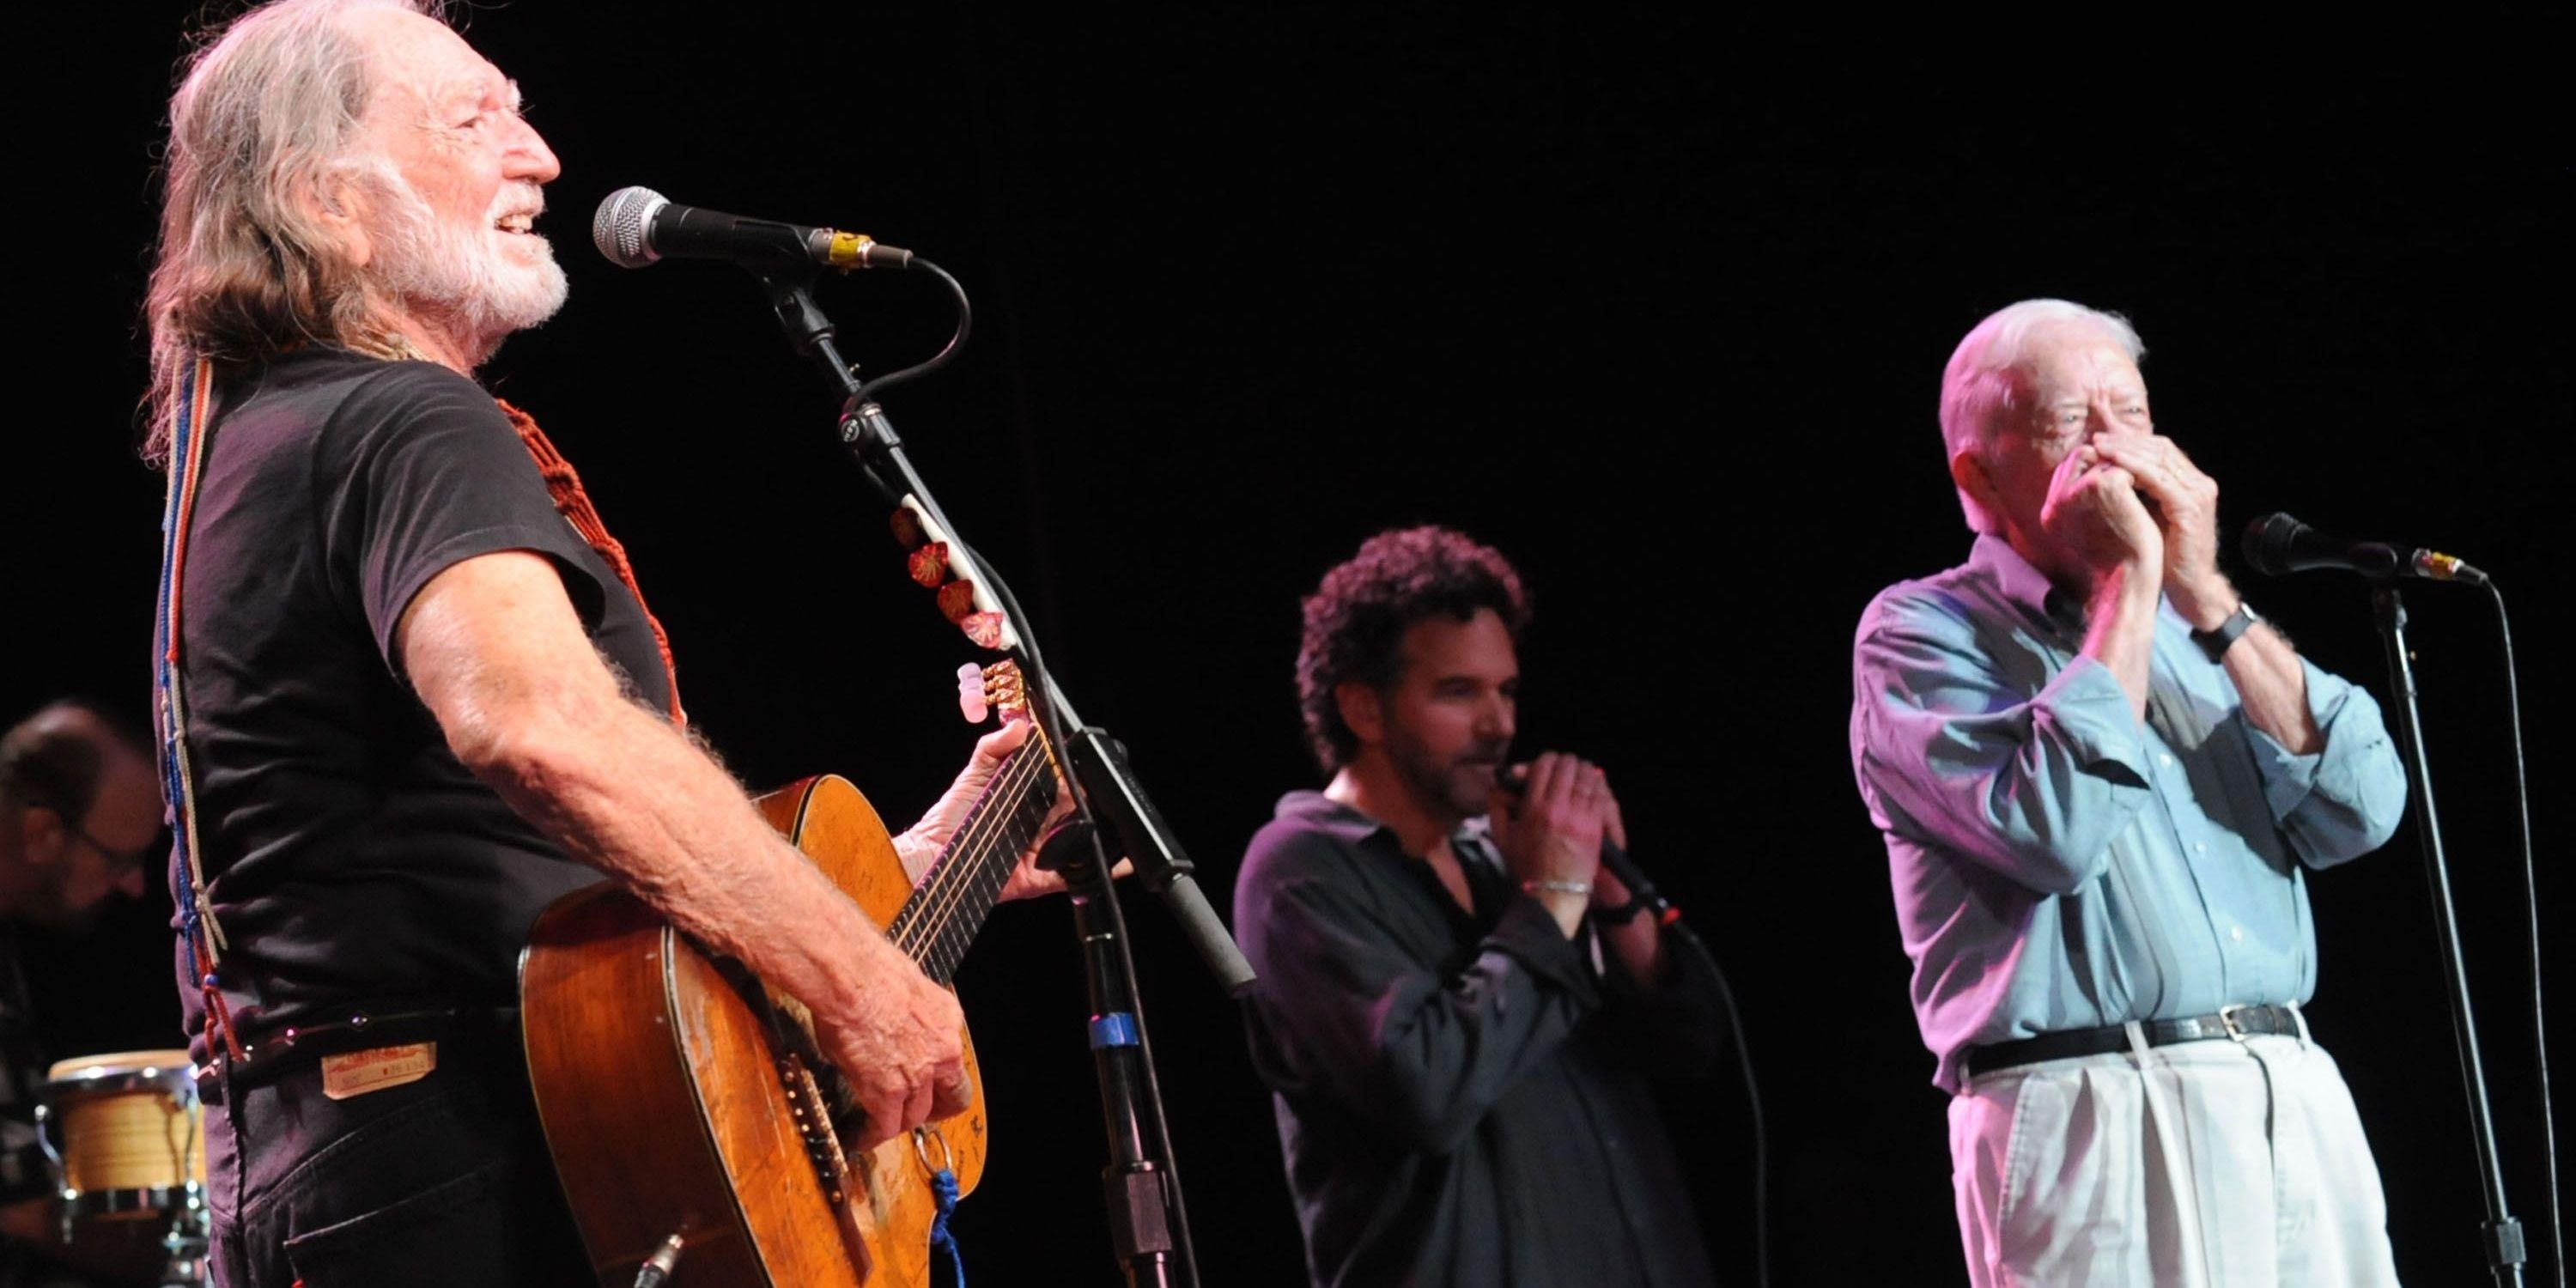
{"x": 267, "y": 111}
{"x": 1979, "y": 385}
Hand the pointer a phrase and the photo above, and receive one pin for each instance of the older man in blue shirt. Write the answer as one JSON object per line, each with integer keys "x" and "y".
{"x": 2101, "y": 778}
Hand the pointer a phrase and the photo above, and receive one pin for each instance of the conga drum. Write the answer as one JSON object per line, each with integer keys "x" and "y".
{"x": 124, "y": 1132}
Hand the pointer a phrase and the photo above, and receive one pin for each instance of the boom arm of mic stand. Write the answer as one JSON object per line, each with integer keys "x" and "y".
{"x": 1150, "y": 1218}
{"x": 1099, "y": 762}
{"x": 1109, "y": 786}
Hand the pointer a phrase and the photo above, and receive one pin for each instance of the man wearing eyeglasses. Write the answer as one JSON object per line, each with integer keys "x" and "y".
{"x": 80, "y": 814}
{"x": 2103, "y": 784}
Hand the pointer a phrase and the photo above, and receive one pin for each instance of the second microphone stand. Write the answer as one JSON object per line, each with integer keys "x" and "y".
{"x": 1149, "y": 1223}
{"x": 2501, "y": 1236}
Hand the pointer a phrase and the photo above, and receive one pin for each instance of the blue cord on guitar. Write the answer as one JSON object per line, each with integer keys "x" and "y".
{"x": 944, "y": 1184}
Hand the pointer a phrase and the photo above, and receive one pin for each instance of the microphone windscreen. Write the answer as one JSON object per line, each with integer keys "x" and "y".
{"x": 2268, "y": 542}
{"x": 621, "y": 228}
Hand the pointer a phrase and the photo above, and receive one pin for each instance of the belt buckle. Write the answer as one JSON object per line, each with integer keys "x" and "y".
{"x": 2227, "y": 1020}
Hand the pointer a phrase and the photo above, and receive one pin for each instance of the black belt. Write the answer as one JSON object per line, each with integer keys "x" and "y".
{"x": 2229, "y": 1022}
{"x": 283, "y": 1050}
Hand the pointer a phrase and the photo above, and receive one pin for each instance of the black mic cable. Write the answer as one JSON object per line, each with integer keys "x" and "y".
{"x": 656, "y": 1270}
{"x": 1646, "y": 897}
{"x": 1669, "y": 918}
{"x": 636, "y": 227}
{"x": 2531, "y": 906}
{"x": 2278, "y": 545}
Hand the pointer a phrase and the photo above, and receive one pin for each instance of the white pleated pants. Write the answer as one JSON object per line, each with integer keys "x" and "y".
{"x": 2215, "y": 1164}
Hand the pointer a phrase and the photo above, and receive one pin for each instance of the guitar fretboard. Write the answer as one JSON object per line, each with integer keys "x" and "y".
{"x": 940, "y": 919}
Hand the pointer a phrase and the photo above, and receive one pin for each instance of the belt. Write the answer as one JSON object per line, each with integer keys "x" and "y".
{"x": 2236, "y": 1022}
{"x": 283, "y": 1050}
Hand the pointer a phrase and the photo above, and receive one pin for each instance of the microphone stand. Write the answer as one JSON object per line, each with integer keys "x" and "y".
{"x": 1149, "y": 1223}
{"x": 2502, "y": 1234}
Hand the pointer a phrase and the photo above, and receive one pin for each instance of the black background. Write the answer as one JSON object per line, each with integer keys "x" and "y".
{"x": 1656, "y": 304}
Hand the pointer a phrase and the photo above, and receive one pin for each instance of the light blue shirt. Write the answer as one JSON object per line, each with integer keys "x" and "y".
{"x": 2057, "y": 863}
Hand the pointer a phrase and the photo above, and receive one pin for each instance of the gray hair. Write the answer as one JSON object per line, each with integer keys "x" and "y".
{"x": 265, "y": 116}
{"x": 1979, "y": 385}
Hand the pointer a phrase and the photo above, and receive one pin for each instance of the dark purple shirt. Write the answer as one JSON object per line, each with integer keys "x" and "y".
{"x": 1462, "y": 1099}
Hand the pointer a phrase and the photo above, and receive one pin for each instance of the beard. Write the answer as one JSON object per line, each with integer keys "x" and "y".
{"x": 455, "y": 275}
{"x": 1458, "y": 786}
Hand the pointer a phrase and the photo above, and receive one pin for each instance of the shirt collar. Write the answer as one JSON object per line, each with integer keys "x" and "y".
{"x": 1331, "y": 817}
{"x": 2022, "y": 583}
{"x": 1351, "y": 827}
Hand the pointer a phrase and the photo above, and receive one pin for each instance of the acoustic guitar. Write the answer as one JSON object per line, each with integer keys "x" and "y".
{"x": 681, "y": 1096}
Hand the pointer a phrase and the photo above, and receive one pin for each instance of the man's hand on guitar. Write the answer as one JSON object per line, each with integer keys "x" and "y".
{"x": 900, "y": 1047}
{"x": 920, "y": 845}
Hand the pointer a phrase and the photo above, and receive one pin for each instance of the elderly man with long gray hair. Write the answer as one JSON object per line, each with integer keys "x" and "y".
{"x": 409, "y": 689}
{"x": 2102, "y": 780}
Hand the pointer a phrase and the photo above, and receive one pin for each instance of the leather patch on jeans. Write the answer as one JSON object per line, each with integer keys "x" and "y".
{"x": 356, "y": 1073}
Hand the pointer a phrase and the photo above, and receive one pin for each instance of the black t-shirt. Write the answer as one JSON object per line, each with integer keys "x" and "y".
{"x": 353, "y": 863}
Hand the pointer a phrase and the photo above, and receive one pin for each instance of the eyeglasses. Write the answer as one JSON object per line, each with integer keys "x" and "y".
{"x": 125, "y": 860}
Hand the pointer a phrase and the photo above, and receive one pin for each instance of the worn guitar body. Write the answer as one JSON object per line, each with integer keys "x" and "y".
{"x": 680, "y": 1097}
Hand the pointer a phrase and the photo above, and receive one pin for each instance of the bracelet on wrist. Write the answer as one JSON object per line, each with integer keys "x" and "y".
{"x": 1557, "y": 887}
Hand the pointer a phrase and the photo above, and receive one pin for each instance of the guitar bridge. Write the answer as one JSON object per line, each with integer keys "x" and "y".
{"x": 813, "y": 1117}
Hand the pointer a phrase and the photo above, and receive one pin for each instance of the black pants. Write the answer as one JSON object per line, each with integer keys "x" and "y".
{"x": 443, "y": 1183}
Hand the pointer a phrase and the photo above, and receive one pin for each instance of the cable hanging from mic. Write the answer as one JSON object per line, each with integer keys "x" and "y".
{"x": 1513, "y": 781}
{"x": 956, "y": 338}
{"x": 2278, "y": 545}
{"x": 636, "y": 227}
{"x": 2531, "y": 907}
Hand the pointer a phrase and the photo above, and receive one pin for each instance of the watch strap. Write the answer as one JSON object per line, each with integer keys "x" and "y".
{"x": 2215, "y": 642}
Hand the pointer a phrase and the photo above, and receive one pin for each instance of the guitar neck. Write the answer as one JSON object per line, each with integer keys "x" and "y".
{"x": 940, "y": 919}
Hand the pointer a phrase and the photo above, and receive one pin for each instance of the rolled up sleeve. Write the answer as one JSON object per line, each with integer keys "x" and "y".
{"x": 2344, "y": 799}
{"x": 2032, "y": 785}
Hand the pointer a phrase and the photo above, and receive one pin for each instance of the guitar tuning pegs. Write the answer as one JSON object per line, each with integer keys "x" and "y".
{"x": 970, "y": 693}
{"x": 928, "y": 564}
{"x": 1005, "y": 688}
{"x": 908, "y": 530}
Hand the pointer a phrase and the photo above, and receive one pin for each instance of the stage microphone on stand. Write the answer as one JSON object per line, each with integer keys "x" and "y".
{"x": 638, "y": 226}
{"x": 2278, "y": 545}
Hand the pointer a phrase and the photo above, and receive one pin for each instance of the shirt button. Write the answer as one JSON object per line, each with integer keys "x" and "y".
{"x": 2200, "y": 847}
{"x": 2236, "y": 933}
{"x": 2163, "y": 759}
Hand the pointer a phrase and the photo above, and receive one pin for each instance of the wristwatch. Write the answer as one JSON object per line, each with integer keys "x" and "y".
{"x": 2215, "y": 642}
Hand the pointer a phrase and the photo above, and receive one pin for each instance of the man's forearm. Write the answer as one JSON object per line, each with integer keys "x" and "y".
{"x": 2119, "y": 629}
{"x": 623, "y": 791}
{"x": 2273, "y": 688}
{"x": 495, "y": 651}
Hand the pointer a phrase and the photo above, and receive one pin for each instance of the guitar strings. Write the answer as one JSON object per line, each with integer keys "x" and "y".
{"x": 930, "y": 911}
{"x": 975, "y": 851}
{"x": 929, "y": 940}
{"x": 963, "y": 858}
{"x": 957, "y": 856}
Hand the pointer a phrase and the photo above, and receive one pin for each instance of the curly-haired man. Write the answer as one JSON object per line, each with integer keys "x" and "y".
{"x": 1458, "y": 1007}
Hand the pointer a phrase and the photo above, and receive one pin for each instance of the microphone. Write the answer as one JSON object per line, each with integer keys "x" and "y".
{"x": 2278, "y": 545}
{"x": 1514, "y": 781}
{"x": 638, "y": 226}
